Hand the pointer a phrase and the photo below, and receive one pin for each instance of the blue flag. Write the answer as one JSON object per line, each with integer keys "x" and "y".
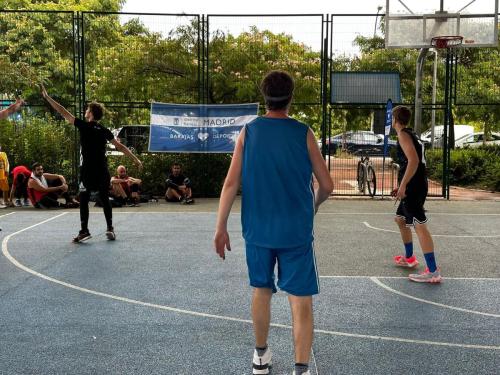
{"x": 388, "y": 125}
{"x": 198, "y": 127}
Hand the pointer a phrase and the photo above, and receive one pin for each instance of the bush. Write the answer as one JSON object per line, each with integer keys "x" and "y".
{"x": 474, "y": 167}
{"x": 45, "y": 140}
{"x": 55, "y": 144}
{"x": 206, "y": 171}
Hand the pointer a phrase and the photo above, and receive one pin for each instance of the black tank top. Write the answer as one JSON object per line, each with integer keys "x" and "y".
{"x": 420, "y": 174}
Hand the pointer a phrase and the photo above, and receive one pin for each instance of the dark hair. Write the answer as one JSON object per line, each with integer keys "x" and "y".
{"x": 175, "y": 165}
{"x": 35, "y": 165}
{"x": 402, "y": 114}
{"x": 277, "y": 88}
{"x": 97, "y": 110}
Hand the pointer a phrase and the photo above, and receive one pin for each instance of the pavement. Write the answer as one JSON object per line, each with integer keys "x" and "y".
{"x": 159, "y": 301}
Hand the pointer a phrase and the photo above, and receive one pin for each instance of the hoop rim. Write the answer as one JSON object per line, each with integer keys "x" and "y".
{"x": 446, "y": 41}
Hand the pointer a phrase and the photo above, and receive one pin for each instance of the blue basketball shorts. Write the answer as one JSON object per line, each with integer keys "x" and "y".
{"x": 295, "y": 267}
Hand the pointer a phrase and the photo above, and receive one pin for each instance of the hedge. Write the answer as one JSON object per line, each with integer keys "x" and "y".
{"x": 54, "y": 144}
{"x": 472, "y": 167}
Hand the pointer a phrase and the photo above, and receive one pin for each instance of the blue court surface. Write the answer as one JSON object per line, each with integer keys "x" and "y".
{"x": 159, "y": 301}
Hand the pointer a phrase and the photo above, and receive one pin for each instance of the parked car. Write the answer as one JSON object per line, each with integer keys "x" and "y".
{"x": 460, "y": 131}
{"x": 477, "y": 139}
{"x": 135, "y": 137}
{"x": 359, "y": 141}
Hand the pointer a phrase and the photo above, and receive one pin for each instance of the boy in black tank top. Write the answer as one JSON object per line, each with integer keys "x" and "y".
{"x": 412, "y": 192}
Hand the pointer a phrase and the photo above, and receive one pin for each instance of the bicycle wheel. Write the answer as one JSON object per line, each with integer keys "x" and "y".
{"x": 371, "y": 180}
{"x": 360, "y": 177}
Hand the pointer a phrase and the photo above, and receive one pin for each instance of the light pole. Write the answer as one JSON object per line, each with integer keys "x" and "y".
{"x": 379, "y": 8}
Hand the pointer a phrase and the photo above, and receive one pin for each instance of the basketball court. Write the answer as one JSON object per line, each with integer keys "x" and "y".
{"x": 159, "y": 300}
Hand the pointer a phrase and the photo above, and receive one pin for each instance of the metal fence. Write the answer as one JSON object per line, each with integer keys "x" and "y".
{"x": 127, "y": 60}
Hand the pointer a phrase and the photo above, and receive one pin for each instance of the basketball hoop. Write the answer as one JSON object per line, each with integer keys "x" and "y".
{"x": 447, "y": 41}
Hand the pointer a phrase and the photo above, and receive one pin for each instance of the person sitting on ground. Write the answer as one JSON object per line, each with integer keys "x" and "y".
{"x": 125, "y": 189}
{"x": 20, "y": 177}
{"x": 178, "y": 186}
{"x": 44, "y": 189}
{"x": 4, "y": 178}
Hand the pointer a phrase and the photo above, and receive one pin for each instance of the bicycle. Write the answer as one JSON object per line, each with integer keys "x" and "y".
{"x": 366, "y": 178}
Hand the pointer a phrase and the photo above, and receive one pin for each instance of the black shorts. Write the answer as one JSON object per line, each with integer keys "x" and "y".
{"x": 411, "y": 208}
{"x": 95, "y": 179}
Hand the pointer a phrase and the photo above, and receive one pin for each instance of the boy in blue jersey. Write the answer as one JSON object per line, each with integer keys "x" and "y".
{"x": 274, "y": 159}
{"x": 412, "y": 192}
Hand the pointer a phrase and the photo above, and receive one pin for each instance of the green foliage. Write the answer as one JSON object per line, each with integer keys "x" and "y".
{"x": 17, "y": 77}
{"x": 238, "y": 64}
{"x": 206, "y": 171}
{"x": 478, "y": 79}
{"x": 40, "y": 139}
{"x": 479, "y": 167}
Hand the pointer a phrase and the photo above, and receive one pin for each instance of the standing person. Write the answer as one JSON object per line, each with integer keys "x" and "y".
{"x": 94, "y": 173}
{"x": 4, "y": 178}
{"x": 20, "y": 177}
{"x": 412, "y": 191}
{"x": 14, "y": 107}
{"x": 178, "y": 186}
{"x": 4, "y": 113}
{"x": 275, "y": 158}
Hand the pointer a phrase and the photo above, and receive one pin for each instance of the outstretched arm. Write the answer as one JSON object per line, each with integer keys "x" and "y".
{"x": 11, "y": 109}
{"x": 121, "y": 147}
{"x": 59, "y": 108}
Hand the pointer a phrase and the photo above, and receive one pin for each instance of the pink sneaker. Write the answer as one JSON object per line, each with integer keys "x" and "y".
{"x": 427, "y": 277}
{"x": 402, "y": 261}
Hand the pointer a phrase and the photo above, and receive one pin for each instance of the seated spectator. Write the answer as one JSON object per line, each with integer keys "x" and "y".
{"x": 44, "y": 189}
{"x": 125, "y": 189}
{"x": 20, "y": 177}
{"x": 178, "y": 186}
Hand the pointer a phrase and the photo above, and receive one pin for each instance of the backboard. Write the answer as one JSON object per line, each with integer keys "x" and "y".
{"x": 413, "y": 23}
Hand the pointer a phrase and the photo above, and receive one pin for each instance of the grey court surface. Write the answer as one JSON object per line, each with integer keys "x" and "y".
{"x": 159, "y": 301}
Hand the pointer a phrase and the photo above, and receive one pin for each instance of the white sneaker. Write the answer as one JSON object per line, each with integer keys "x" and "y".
{"x": 426, "y": 277}
{"x": 304, "y": 373}
{"x": 110, "y": 234}
{"x": 262, "y": 365}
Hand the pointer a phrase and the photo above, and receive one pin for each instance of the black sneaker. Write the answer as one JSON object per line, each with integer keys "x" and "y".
{"x": 83, "y": 236}
{"x": 110, "y": 234}
{"x": 189, "y": 200}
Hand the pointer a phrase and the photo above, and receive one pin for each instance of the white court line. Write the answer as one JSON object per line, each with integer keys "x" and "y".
{"x": 434, "y": 235}
{"x": 152, "y": 212}
{"x": 313, "y": 357}
{"x": 392, "y": 213}
{"x": 10, "y": 213}
{"x": 319, "y": 213}
{"x": 405, "y": 277}
{"x": 14, "y": 261}
{"x": 386, "y": 287}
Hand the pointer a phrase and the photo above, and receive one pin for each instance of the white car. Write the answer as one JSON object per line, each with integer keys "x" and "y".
{"x": 477, "y": 139}
{"x": 460, "y": 131}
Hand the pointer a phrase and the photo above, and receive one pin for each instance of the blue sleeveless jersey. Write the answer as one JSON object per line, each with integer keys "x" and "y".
{"x": 277, "y": 193}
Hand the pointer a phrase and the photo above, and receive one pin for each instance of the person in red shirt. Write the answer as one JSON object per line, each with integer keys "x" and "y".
{"x": 44, "y": 189}
{"x": 20, "y": 177}
{"x": 125, "y": 189}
